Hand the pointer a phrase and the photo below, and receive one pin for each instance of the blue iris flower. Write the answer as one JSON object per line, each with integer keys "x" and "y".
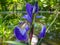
{"x": 42, "y": 32}
{"x": 21, "y": 34}
{"x": 21, "y": 31}
{"x": 30, "y": 10}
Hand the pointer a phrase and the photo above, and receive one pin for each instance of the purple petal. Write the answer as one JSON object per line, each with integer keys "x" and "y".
{"x": 35, "y": 8}
{"x": 23, "y": 31}
{"x": 43, "y": 32}
{"x": 29, "y": 9}
{"x": 27, "y": 27}
{"x": 18, "y": 34}
{"x": 28, "y": 18}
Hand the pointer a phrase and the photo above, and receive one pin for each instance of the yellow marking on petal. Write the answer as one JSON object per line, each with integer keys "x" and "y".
{"x": 23, "y": 26}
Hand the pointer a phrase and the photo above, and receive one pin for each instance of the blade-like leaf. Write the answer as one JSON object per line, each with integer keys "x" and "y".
{"x": 14, "y": 42}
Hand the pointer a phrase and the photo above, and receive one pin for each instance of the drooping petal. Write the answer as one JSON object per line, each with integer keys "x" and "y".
{"x": 29, "y": 9}
{"x": 28, "y": 18}
{"x": 22, "y": 31}
{"x": 27, "y": 27}
{"x": 35, "y": 8}
{"x": 18, "y": 34}
{"x": 43, "y": 32}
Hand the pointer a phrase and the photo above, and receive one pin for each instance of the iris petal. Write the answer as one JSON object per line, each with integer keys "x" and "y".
{"x": 43, "y": 32}
{"x": 27, "y": 27}
{"x": 29, "y": 9}
{"x": 22, "y": 31}
{"x": 28, "y": 18}
{"x": 35, "y": 8}
{"x": 18, "y": 34}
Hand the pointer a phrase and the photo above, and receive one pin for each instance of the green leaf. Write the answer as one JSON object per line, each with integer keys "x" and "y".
{"x": 0, "y": 21}
{"x": 14, "y": 42}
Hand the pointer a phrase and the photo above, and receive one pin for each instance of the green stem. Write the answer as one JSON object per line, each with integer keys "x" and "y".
{"x": 40, "y": 41}
{"x": 32, "y": 27}
{"x": 52, "y": 22}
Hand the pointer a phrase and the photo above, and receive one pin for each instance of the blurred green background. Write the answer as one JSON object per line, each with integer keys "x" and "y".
{"x": 11, "y": 12}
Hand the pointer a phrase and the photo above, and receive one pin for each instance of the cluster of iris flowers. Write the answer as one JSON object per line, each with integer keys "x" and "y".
{"x": 21, "y": 30}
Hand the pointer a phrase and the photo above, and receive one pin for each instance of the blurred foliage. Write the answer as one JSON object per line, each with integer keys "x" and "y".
{"x": 9, "y": 21}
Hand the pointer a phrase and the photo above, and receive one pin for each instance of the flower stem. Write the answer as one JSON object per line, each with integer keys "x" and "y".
{"x": 39, "y": 43}
{"x": 32, "y": 27}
